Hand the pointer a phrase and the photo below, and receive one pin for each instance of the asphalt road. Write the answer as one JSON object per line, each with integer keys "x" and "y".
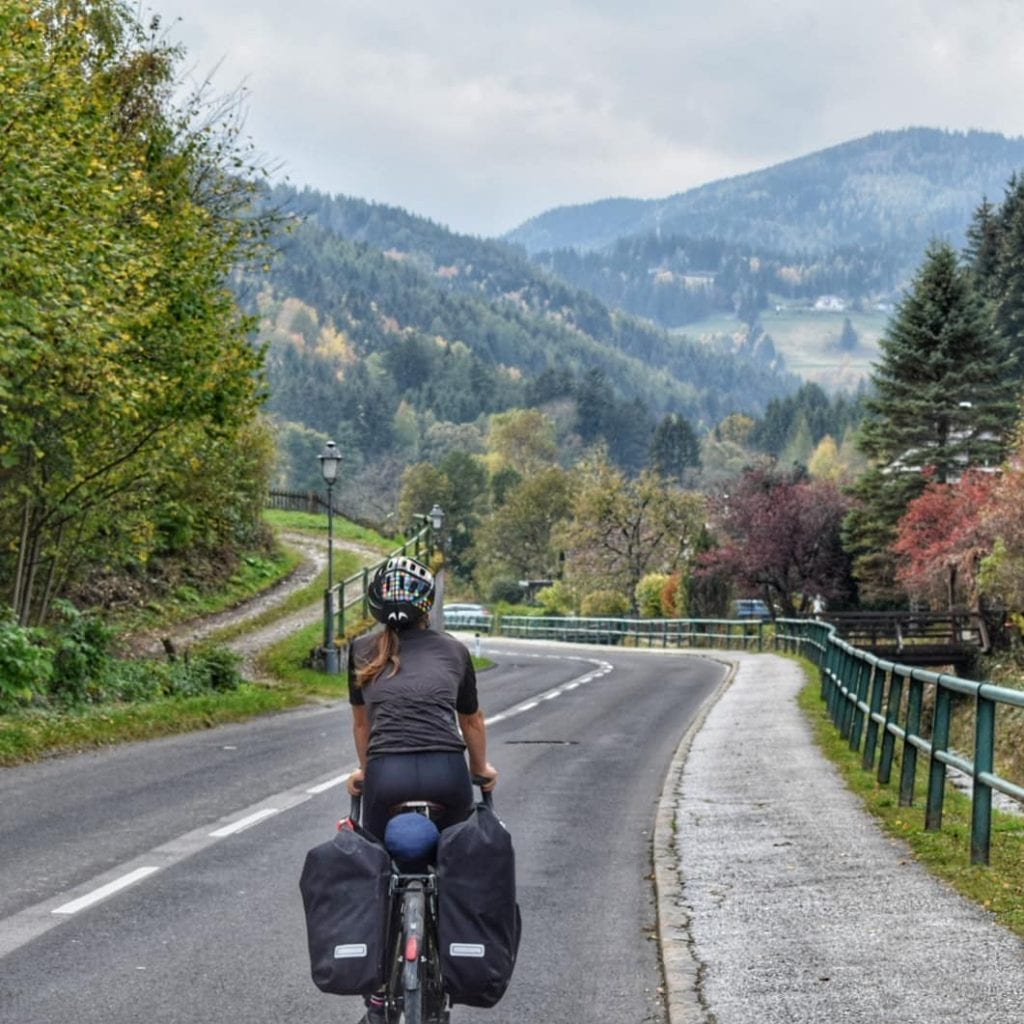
{"x": 158, "y": 882}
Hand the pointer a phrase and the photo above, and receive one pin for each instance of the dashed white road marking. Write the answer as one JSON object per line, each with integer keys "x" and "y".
{"x": 242, "y": 824}
{"x": 104, "y": 891}
{"x": 329, "y": 784}
{"x": 33, "y": 921}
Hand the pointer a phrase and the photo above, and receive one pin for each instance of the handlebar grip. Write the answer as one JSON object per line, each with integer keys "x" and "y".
{"x": 488, "y": 797}
{"x": 356, "y": 806}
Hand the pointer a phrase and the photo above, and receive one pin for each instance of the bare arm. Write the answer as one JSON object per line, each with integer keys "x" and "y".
{"x": 361, "y": 735}
{"x": 474, "y": 732}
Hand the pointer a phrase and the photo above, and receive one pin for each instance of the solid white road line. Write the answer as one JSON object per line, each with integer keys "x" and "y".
{"x": 104, "y": 891}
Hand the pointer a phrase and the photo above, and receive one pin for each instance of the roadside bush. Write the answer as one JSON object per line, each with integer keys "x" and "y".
{"x": 604, "y": 603}
{"x": 136, "y": 681}
{"x": 558, "y": 599}
{"x": 648, "y": 594}
{"x": 81, "y": 656}
{"x": 505, "y": 590}
{"x": 673, "y": 597}
{"x": 203, "y": 670}
{"x": 25, "y": 664}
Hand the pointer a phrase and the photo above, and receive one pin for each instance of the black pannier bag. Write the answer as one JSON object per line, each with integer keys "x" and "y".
{"x": 344, "y": 887}
{"x": 478, "y": 918}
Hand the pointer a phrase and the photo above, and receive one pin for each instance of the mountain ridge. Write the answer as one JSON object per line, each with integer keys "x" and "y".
{"x": 938, "y": 175}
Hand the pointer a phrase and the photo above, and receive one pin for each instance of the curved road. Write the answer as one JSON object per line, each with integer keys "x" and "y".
{"x": 158, "y": 882}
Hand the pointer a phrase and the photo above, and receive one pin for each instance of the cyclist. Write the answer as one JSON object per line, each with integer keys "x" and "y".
{"x": 415, "y": 713}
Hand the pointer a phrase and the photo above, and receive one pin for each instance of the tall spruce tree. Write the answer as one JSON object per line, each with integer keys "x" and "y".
{"x": 944, "y": 400}
{"x": 1006, "y": 273}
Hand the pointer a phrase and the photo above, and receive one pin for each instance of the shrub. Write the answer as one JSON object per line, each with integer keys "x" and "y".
{"x": 673, "y": 597}
{"x": 218, "y": 667}
{"x": 558, "y": 599}
{"x": 648, "y": 594}
{"x": 604, "y": 602}
{"x": 505, "y": 590}
{"x": 25, "y": 664}
{"x": 81, "y": 656}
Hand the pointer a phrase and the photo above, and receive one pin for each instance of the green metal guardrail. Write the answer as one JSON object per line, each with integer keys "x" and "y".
{"x": 877, "y": 704}
{"x": 746, "y": 634}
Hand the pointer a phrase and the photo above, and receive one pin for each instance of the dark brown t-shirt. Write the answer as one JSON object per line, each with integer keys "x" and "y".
{"x": 415, "y": 710}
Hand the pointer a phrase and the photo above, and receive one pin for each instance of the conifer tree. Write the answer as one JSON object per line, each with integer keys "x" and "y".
{"x": 675, "y": 449}
{"x": 944, "y": 400}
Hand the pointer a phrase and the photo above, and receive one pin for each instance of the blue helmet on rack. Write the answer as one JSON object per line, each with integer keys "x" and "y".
{"x": 401, "y": 592}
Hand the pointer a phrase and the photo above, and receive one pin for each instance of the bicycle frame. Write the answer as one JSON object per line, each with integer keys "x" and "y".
{"x": 414, "y": 987}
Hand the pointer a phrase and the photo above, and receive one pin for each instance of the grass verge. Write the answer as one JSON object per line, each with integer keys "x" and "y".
{"x": 999, "y": 888}
{"x": 31, "y": 735}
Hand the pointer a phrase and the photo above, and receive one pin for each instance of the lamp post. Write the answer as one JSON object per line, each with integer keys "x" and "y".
{"x": 330, "y": 461}
{"x": 436, "y": 517}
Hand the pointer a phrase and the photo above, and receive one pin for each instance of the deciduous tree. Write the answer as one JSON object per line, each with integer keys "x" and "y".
{"x": 623, "y": 529}
{"x": 779, "y": 535}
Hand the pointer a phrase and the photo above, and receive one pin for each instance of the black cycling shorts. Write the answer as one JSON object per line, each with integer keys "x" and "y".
{"x": 441, "y": 777}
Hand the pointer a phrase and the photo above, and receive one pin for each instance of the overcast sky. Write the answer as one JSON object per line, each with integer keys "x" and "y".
{"x": 481, "y": 114}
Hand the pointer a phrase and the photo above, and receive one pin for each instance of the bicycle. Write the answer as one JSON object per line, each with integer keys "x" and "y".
{"x": 414, "y": 988}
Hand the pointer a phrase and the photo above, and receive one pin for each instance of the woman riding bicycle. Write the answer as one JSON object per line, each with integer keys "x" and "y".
{"x": 415, "y": 712}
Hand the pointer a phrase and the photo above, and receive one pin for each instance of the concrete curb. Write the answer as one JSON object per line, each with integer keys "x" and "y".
{"x": 681, "y": 970}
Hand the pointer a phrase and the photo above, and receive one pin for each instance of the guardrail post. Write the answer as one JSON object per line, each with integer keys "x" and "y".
{"x": 847, "y": 683}
{"x": 908, "y": 772}
{"x": 860, "y": 685}
{"x": 366, "y": 584}
{"x": 892, "y": 712}
{"x": 341, "y": 609}
{"x": 984, "y": 759}
{"x": 877, "y": 691}
{"x": 936, "y": 769}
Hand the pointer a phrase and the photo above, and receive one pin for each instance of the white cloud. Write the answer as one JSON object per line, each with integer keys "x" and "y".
{"x": 480, "y": 115}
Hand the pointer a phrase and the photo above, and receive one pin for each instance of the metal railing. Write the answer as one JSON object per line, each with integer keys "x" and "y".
{"x": 746, "y": 634}
{"x": 881, "y": 706}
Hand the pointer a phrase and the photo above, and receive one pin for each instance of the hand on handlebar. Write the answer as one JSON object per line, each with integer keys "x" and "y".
{"x": 486, "y": 779}
{"x": 354, "y": 784}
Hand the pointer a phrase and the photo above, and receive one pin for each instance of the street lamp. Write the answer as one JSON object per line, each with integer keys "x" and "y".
{"x": 330, "y": 461}
{"x": 436, "y": 518}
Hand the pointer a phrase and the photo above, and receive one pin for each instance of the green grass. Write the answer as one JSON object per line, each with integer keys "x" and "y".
{"x": 30, "y": 735}
{"x": 999, "y": 887}
{"x": 342, "y": 529}
{"x": 256, "y": 573}
{"x": 34, "y": 733}
{"x": 806, "y": 337}
{"x": 346, "y": 563}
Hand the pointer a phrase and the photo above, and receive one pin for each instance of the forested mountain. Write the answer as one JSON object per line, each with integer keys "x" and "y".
{"x": 853, "y": 220}
{"x": 395, "y": 336}
{"x": 900, "y": 188}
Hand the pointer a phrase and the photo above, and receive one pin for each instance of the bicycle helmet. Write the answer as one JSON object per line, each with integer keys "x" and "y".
{"x": 401, "y": 592}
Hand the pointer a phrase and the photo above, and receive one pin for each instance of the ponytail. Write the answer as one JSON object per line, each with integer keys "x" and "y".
{"x": 385, "y": 653}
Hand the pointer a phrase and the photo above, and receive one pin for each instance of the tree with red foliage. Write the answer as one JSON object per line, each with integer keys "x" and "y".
{"x": 779, "y": 535}
{"x": 944, "y": 535}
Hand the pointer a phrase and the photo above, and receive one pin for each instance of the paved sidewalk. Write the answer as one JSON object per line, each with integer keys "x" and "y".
{"x": 781, "y": 900}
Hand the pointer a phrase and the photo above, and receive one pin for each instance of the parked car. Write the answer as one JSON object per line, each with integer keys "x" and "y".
{"x": 751, "y": 608}
{"x": 466, "y": 616}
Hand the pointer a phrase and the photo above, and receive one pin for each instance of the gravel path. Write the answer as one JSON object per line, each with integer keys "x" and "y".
{"x": 251, "y": 644}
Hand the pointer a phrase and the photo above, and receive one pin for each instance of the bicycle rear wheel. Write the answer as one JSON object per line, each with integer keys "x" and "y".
{"x": 412, "y": 954}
